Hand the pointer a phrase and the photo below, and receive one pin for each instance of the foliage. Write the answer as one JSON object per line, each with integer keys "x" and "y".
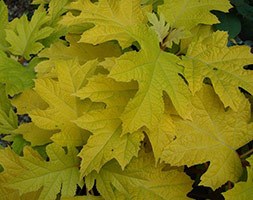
{"x": 123, "y": 96}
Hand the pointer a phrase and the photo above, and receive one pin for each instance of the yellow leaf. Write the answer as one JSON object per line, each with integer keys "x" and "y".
{"x": 24, "y": 35}
{"x": 30, "y": 172}
{"x": 141, "y": 180}
{"x": 106, "y": 142}
{"x": 166, "y": 34}
{"x": 189, "y": 13}
{"x": 242, "y": 190}
{"x": 64, "y": 107}
{"x": 155, "y": 71}
{"x": 161, "y": 136}
{"x": 211, "y": 58}
{"x": 197, "y": 32}
{"x": 28, "y": 100}
{"x": 34, "y": 134}
{"x": 111, "y": 19}
{"x": 82, "y": 51}
{"x": 103, "y": 89}
{"x": 214, "y": 135}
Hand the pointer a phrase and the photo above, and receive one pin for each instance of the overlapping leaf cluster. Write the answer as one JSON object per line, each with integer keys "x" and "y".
{"x": 136, "y": 91}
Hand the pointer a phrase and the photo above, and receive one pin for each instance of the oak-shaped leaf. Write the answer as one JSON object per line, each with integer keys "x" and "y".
{"x": 30, "y": 173}
{"x": 155, "y": 71}
{"x": 189, "y": 13}
{"x": 64, "y": 107}
{"x": 213, "y": 135}
{"x": 24, "y": 36}
{"x": 141, "y": 180}
{"x": 211, "y": 58}
{"x": 106, "y": 141}
{"x": 111, "y": 19}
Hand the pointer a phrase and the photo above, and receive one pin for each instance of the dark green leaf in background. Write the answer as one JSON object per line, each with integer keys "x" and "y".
{"x": 228, "y": 22}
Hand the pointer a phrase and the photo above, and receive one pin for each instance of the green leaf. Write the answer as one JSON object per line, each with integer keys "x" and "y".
{"x": 228, "y": 22}
{"x": 3, "y": 22}
{"x": 8, "y": 119}
{"x": 18, "y": 144}
{"x": 16, "y": 77}
{"x": 244, "y": 8}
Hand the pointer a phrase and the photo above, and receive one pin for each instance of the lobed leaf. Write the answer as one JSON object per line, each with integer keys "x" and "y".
{"x": 31, "y": 172}
{"x": 155, "y": 71}
{"x": 63, "y": 106}
{"x": 111, "y": 19}
{"x": 24, "y": 35}
{"x": 106, "y": 142}
{"x": 141, "y": 180}
{"x": 211, "y": 58}
{"x": 189, "y": 13}
{"x": 214, "y": 135}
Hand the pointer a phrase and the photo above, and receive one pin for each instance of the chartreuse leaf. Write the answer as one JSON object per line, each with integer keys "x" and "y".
{"x": 166, "y": 34}
{"x": 3, "y": 22}
{"x": 111, "y": 18}
{"x": 12, "y": 194}
{"x": 55, "y": 11}
{"x": 197, "y": 32}
{"x": 8, "y": 119}
{"x": 155, "y": 71}
{"x": 30, "y": 173}
{"x": 160, "y": 136}
{"x": 141, "y": 180}
{"x": 35, "y": 135}
{"x": 16, "y": 77}
{"x": 82, "y": 51}
{"x": 242, "y": 190}
{"x": 213, "y": 135}
{"x": 106, "y": 142}
{"x": 211, "y": 58}
{"x": 189, "y": 13}
{"x": 27, "y": 101}
{"x": 24, "y": 35}
{"x": 63, "y": 106}
{"x": 100, "y": 88}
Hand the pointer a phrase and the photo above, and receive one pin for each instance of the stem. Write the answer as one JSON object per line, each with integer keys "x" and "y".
{"x": 246, "y": 154}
